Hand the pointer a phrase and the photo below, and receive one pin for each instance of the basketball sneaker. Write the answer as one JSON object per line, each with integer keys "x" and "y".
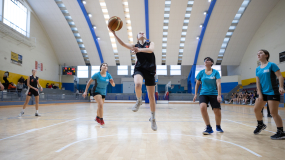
{"x": 97, "y": 120}
{"x": 208, "y": 130}
{"x": 153, "y": 124}
{"x": 102, "y": 122}
{"x": 36, "y": 114}
{"x": 20, "y": 115}
{"x": 219, "y": 129}
{"x": 278, "y": 135}
{"x": 259, "y": 128}
{"x": 137, "y": 105}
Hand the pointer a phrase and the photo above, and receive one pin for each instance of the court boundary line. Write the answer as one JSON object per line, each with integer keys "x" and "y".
{"x": 66, "y": 146}
{"x": 246, "y": 125}
{"x": 36, "y": 129}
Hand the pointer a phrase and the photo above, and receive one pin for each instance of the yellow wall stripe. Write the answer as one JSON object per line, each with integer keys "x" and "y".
{"x": 253, "y": 80}
{"x": 14, "y": 77}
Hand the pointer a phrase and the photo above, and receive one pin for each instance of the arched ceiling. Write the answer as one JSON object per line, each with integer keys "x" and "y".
{"x": 68, "y": 52}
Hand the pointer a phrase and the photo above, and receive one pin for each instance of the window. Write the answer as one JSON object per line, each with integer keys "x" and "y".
{"x": 201, "y": 67}
{"x": 82, "y": 71}
{"x": 175, "y": 70}
{"x": 16, "y": 16}
{"x": 132, "y": 70}
{"x": 122, "y": 70}
{"x": 95, "y": 69}
{"x": 161, "y": 70}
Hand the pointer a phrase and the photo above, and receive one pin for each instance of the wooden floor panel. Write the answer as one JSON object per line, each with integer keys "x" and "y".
{"x": 68, "y": 131}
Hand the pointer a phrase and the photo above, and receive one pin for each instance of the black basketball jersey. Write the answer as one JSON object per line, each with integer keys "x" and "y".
{"x": 145, "y": 61}
{"x": 34, "y": 81}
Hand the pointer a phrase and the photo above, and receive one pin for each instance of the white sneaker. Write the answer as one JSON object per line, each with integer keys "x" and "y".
{"x": 20, "y": 115}
{"x": 137, "y": 105}
{"x": 36, "y": 114}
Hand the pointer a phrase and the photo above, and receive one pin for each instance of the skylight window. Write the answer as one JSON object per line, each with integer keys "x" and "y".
{"x": 237, "y": 16}
{"x": 229, "y": 33}
{"x": 232, "y": 27}
{"x": 184, "y": 30}
{"x": 165, "y": 29}
{"x": 106, "y": 17}
{"x": 189, "y": 9}
{"x": 129, "y": 26}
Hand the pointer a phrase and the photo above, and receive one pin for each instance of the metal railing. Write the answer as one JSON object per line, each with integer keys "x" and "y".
{"x": 20, "y": 96}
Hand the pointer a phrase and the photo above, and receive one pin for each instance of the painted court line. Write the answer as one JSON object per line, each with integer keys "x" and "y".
{"x": 242, "y": 147}
{"x": 36, "y": 129}
{"x": 43, "y": 113}
{"x": 246, "y": 125}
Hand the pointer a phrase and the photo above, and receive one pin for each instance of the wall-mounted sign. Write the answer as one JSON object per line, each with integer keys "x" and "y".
{"x": 16, "y": 58}
{"x": 282, "y": 57}
{"x": 39, "y": 66}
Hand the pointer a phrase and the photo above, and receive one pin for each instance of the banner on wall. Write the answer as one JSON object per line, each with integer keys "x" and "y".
{"x": 16, "y": 58}
{"x": 38, "y": 66}
{"x": 282, "y": 57}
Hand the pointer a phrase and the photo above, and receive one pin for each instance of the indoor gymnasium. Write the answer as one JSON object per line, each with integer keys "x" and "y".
{"x": 142, "y": 79}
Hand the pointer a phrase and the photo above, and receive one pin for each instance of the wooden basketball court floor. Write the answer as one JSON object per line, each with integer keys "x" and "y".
{"x": 68, "y": 131}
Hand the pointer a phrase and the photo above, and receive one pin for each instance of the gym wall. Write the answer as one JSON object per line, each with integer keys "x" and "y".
{"x": 43, "y": 53}
{"x": 269, "y": 36}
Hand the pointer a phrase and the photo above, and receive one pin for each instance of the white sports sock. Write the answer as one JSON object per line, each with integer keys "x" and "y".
{"x": 139, "y": 99}
{"x": 23, "y": 110}
{"x": 152, "y": 115}
{"x": 37, "y": 111}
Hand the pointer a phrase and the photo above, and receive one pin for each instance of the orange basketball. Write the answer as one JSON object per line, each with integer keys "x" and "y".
{"x": 115, "y": 23}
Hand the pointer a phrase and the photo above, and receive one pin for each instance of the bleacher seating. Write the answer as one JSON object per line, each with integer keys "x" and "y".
{"x": 56, "y": 91}
{"x": 250, "y": 88}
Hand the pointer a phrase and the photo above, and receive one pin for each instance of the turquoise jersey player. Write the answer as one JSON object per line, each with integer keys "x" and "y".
{"x": 101, "y": 79}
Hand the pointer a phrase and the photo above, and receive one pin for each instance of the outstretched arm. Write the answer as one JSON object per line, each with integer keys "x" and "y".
{"x": 126, "y": 45}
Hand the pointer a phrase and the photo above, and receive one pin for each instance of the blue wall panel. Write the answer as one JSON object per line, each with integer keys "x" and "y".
{"x": 82, "y": 87}
{"x": 68, "y": 86}
{"x": 117, "y": 89}
{"x": 227, "y": 87}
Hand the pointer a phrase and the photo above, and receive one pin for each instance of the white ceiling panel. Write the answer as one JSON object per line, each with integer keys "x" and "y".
{"x": 250, "y": 21}
{"x": 197, "y": 18}
{"x": 115, "y": 8}
{"x": 93, "y": 7}
{"x": 68, "y": 52}
{"x": 219, "y": 23}
{"x": 137, "y": 13}
{"x": 176, "y": 19}
{"x": 84, "y": 30}
{"x": 58, "y": 30}
{"x": 156, "y": 16}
